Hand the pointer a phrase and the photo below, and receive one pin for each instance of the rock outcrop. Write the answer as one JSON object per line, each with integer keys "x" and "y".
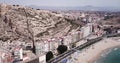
{"x": 24, "y": 23}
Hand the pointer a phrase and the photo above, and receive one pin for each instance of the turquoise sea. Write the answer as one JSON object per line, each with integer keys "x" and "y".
{"x": 110, "y": 56}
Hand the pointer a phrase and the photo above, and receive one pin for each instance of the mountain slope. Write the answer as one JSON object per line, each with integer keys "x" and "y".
{"x": 23, "y": 23}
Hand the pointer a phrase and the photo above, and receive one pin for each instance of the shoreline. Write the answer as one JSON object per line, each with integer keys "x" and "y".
{"x": 103, "y": 53}
{"x": 93, "y": 52}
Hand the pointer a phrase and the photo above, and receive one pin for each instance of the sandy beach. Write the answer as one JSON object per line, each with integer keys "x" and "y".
{"x": 93, "y": 52}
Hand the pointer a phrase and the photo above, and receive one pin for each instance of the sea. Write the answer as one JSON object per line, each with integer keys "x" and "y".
{"x": 110, "y": 56}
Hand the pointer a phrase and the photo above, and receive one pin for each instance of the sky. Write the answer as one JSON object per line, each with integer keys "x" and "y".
{"x": 66, "y": 3}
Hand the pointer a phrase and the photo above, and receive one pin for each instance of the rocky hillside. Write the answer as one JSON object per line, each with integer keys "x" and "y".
{"x": 24, "y": 24}
{"x": 114, "y": 21}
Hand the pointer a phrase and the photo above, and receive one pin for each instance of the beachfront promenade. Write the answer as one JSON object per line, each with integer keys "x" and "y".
{"x": 88, "y": 50}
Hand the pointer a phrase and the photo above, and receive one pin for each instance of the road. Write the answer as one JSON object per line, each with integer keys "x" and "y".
{"x": 88, "y": 43}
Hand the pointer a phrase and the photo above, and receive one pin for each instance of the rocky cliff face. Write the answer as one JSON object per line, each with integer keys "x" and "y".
{"x": 24, "y": 24}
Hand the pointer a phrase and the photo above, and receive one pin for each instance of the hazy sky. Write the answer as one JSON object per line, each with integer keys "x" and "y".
{"x": 100, "y": 3}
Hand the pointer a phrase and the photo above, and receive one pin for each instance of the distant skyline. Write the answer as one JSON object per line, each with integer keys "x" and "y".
{"x": 65, "y": 3}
